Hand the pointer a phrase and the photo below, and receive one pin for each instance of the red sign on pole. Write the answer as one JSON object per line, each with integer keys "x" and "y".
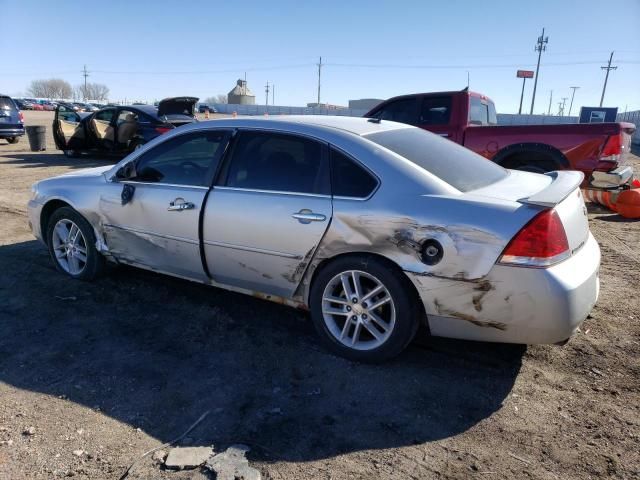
{"x": 525, "y": 74}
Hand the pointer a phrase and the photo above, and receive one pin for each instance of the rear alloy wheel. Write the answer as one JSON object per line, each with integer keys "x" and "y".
{"x": 71, "y": 244}
{"x": 363, "y": 310}
{"x": 13, "y": 139}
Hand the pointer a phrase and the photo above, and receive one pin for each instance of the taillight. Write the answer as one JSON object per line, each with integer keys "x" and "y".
{"x": 541, "y": 242}
{"x": 612, "y": 148}
{"x": 162, "y": 130}
{"x": 20, "y": 117}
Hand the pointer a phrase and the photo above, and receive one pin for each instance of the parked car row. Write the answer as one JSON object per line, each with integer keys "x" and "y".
{"x": 32, "y": 104}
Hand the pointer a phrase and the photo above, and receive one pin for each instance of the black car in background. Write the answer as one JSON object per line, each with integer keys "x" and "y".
{"x": 203, "y": 108}
{"x": 11, "y": 120}
{"x": 118, "y": 129}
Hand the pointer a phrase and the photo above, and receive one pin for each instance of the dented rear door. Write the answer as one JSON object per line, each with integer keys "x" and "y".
{"x": 268, "y": 213}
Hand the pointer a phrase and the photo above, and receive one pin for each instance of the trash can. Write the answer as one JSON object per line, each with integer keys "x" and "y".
{"x": 37, "y": 137}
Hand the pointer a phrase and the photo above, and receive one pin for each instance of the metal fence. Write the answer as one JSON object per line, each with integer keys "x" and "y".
{"x": 517, "y": 119}
{"x": 631, "y": 117}
{"x": 283, "y": 110}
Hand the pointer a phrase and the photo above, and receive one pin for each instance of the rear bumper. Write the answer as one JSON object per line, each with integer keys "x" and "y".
{"x": 11, "y": 132}
{"x": 515, "y": 304}
{"x": 612, "y": 179}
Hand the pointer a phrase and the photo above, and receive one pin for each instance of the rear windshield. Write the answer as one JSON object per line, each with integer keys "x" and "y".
{"x": 456, "y": 165}
{"x": 6, "y": 104}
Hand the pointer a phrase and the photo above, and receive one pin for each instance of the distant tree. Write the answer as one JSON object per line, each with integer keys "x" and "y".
{"x": 51, "y": 88}
{"x": 221, "y": 98}
{"x": 93, "y": 91}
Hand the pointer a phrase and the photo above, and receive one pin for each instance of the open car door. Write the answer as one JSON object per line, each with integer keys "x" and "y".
{"x": 68, "y": 130}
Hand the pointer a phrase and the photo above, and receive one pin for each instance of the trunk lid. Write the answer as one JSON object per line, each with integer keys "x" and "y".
{"x": 177, "y": 106}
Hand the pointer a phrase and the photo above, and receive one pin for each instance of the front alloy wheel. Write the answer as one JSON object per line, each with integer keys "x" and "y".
{"x": 71, "y": 242}
{"x": 69, "y": 246}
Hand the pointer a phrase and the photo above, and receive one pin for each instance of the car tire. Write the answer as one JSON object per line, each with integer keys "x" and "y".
{"x": 74, "y": 254}
{"x": 372, "y": 335}
{"x": 13, "y": 139}
{"x": 136, "y": 144}
{"x": 71, "y": 153}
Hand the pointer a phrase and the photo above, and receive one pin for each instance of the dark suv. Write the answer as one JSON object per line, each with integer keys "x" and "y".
{"x": 11, "y": 120}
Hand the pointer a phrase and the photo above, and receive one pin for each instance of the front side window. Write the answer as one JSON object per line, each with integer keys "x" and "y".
{"x": 403, "y": 111}
{"x": 183, "y": 160}
{"x": 278, "y": 162}
{"x": 350, "y": 179}
{"x": 435, "y": 111}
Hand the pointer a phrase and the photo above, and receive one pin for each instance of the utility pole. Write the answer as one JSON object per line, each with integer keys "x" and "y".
{"x": 550, "y": 100}
{"x": 85, "y": 74}
{"x": 564, "y": 102}
{"x": 273, "y": 94}
{"x": 573, "y": 93}
{"x": 524, "y": 79}
{"x": 541, "y": 46}
{"x": 266, "y": 91}
{"x": 607, "y": 68}
{"x": 319, "y": 75}
{"x": 559, "y": 109}
{"x": 467, "y": 79}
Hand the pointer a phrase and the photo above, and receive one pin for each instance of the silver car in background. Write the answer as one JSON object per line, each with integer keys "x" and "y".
{"x": 374, "y": 226}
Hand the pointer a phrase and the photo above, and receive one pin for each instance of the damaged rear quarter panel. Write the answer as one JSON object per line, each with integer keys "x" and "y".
{"x": 473, "y": 233}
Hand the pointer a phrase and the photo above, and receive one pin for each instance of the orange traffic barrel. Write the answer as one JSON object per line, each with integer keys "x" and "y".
{"x": 624, "y": 202}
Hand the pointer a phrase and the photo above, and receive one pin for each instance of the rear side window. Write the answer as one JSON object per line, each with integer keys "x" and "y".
{"x": 482, "y": 112}
{"x": 6, "y": 104}
{"x": 404, "y": 111}
{"x": 278, "y": 162}
{"x": 456, "y": 165}
{"x": 348, "y": 178}
{"x": 435, "y": 111}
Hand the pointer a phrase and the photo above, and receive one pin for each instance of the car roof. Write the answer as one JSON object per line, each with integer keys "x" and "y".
{"x": 355, "y": 125}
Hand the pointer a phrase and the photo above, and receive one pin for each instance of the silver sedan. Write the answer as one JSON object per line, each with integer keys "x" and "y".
{"x": 375, "y": 227}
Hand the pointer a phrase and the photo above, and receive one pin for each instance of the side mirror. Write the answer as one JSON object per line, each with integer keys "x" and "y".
{"x": 126, "y": 172}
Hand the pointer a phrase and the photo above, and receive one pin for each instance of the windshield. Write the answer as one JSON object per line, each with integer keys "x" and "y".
{"x": 456, "y": 165}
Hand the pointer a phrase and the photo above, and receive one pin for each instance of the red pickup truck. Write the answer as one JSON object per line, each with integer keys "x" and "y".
{"x": 469, "y": 118}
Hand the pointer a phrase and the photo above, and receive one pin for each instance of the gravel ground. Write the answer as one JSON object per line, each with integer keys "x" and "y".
{"x": 94, "y": 374}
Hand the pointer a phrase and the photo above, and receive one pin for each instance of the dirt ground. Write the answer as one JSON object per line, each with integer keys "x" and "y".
{"x": 92, "y": 375}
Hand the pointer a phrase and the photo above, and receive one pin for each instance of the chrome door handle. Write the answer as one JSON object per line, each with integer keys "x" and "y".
{"x": 307, "y": 216}
{"x": 179, "y": 204}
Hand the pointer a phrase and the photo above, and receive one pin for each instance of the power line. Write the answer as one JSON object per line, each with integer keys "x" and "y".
{"x": 541, "y": 46}
{"x": 608, "y": 68}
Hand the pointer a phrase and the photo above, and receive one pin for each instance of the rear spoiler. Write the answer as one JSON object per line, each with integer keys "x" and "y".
{"x": 561, "y": 186}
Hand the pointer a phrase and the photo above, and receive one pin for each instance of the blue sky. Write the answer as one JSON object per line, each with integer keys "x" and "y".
{"x": 150, "y": 50}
